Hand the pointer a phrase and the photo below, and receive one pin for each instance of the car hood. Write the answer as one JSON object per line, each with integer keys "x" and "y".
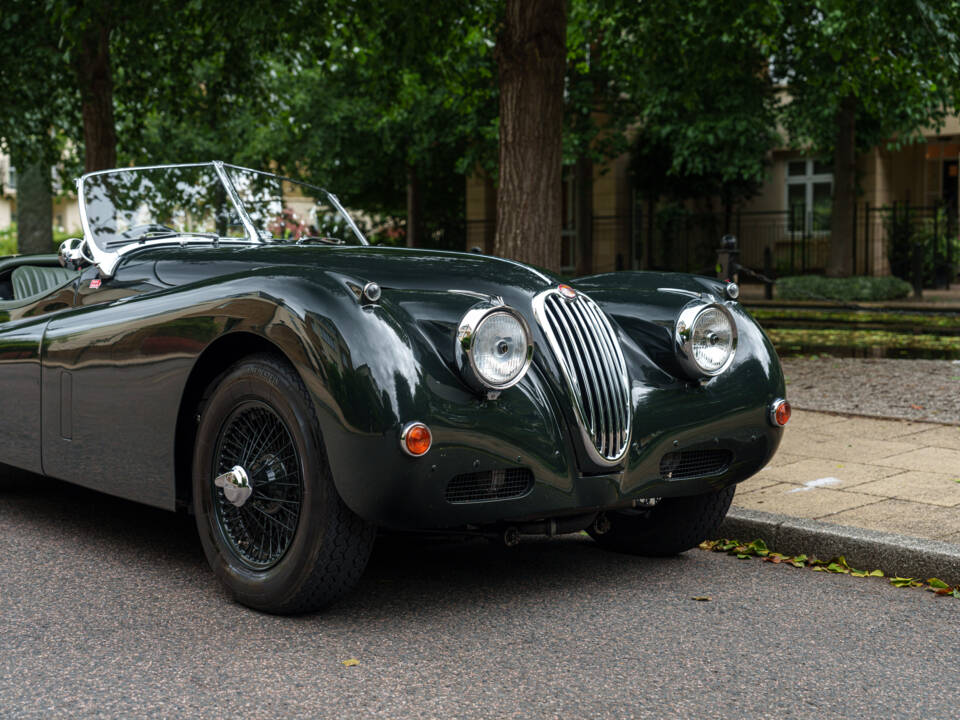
{"x": 392, "y": 268}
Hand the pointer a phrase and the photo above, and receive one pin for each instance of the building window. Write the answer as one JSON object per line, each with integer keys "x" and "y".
{"x": 12, "y": 178}
{"x": 809, "y": 195}
{"x": 568, "y": 223}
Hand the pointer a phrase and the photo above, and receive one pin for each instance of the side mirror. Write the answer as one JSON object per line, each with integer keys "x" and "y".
{"x": 72, "y": 255}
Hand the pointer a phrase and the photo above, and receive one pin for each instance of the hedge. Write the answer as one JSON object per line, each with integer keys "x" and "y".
{"x": 862, "y": 288}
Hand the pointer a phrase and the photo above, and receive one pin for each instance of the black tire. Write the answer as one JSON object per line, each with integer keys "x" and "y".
{"x": 670, "y": 527}
{"x": 259, "y": 411}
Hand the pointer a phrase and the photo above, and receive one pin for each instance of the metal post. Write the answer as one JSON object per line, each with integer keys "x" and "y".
{"x": 917, "y": 255}
{"x": 807, "y": 219}
{"x": 727, "y": 258}
{"x": 866, "y": 238}
{"x": 768, "y": 271}
{"x": 853, "y": 267}
{"x": 793, "y": 239}
{"x": 949, "y": 238}
{"x": 937, "y": 255}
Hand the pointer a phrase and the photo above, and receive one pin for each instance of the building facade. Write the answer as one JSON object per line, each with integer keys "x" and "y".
{"x": 784, "y": 229}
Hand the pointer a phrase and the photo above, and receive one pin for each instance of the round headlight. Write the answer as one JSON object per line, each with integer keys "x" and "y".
{"x": 706, "y": 339}
{"x": 494, "y": 347}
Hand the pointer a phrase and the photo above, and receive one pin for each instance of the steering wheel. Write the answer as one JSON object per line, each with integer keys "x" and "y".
{"x": 138, "y": 230}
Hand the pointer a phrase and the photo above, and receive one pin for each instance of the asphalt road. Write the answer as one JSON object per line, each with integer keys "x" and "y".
{"x": 107, "y": 609}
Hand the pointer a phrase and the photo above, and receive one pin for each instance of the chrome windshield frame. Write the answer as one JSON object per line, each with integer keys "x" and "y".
{"x": 107, "y": 261}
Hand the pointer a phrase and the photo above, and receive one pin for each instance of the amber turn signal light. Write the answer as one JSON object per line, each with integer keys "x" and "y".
{"x": 780, "y": 413}
{"x": 416, "y": 439}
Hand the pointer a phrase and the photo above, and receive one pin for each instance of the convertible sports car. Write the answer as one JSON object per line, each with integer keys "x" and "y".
{"x": 225, "y": 341}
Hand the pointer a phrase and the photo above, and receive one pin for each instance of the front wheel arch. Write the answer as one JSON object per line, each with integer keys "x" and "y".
{"x": 218, "y": 357}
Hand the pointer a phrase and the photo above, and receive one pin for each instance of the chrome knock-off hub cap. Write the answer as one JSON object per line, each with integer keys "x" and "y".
{"x": 236, "y": 485}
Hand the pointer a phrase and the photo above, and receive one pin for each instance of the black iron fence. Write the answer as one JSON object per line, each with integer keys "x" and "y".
{"x": 776, "y": 243}
{"x": 885, "y": 240}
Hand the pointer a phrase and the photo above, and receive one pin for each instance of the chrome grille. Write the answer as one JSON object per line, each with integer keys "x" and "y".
{"x": 590, "y": 358}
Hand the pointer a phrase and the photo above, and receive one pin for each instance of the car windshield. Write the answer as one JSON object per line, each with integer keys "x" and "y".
{"x": 137, "y": 205}
{"x": 286, "y": 210}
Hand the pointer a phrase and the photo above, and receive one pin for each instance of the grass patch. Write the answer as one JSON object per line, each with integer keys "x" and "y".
{"x": 860, "y": 288}
{"x": 813, "y": 317}
{"x": 8, "y": 240}
{"x": 857, "y": 339}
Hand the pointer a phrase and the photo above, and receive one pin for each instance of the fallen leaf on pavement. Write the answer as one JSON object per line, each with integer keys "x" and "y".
{"x": 702, "y": 598}
{"x": 916, "y": 407}
{"x": 352, "y": 662}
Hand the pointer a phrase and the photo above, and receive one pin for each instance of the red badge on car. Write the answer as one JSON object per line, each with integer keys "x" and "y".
{"x": 568, "y": 292}
{"x": 95, "y": 284}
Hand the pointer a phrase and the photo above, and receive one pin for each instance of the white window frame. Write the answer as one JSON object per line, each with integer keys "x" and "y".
{"x": 808, "y": 179}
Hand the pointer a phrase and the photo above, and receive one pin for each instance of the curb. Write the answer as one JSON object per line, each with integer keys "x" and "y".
{"x": 895, "y": 554}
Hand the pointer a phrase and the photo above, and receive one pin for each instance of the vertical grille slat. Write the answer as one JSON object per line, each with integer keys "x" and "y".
{"x": 573, "y": 356}
{"x": 609, "y": 371}
{"x": 617, "y": 367}
{"x": 590, "y": 358}
{"x": 600, "y": 372}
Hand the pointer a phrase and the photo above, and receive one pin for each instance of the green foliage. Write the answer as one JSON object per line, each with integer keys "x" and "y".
{"x": 860, "y": 288}
{"x": 40, "y": 112}
{"x": 691, "y": 73}
{"x": 758, "y": 548}
{"x": 8, "y": 240}
{"x": 898, "y": 61}
{"x": 786, "y": 339}
{"x": 858, "y": 318}
{"x": 938, "y": 240}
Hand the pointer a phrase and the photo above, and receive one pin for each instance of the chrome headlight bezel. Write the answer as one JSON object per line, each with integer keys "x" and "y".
{"x": 465, "y": 345}
{"x": 683, "y": 335}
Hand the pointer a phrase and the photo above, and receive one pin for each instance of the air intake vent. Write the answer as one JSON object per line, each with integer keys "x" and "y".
{"x": 694, "y": 464}
{"x": 592, "y": 363}
{"x": 489, "y": 485}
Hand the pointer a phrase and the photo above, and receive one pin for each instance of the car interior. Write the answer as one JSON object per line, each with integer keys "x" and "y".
{"x": 25, "y": 279}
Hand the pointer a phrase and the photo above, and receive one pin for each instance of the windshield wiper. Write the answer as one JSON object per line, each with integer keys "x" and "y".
{"x": 303, "y": 240}
{"x": 161, "y": 236}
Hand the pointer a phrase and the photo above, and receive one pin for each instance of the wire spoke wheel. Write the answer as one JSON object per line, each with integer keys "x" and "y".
{"x": 272, "y": 525}
{"x": 260, "y": 531}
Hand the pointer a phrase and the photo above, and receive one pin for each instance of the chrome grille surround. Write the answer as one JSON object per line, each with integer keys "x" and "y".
{"x": 586, "y": 348}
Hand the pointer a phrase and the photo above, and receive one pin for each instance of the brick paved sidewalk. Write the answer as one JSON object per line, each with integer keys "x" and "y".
{"x": 891, "y": 475}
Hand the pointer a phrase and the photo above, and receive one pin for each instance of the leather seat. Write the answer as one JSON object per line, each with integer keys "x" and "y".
{"x": 32, "y": 280}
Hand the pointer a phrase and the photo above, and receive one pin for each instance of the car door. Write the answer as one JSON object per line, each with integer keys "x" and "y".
{"x": 23, "y": 321}
{"x": 110, "y": 389}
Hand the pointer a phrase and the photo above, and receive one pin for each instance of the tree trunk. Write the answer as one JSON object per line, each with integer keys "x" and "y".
{"x": 531, "y": 57}
{"x": 95, "y": 80}
{"x": 34, "y": 210}
{"x": 414, "y": 219}
{"x": 844, "y": 190}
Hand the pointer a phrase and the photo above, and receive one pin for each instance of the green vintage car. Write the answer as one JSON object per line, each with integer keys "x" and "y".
{"x": 226, "y": 342}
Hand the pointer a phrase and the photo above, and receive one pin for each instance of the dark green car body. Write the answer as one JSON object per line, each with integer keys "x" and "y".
{"x": 106, "y": 376}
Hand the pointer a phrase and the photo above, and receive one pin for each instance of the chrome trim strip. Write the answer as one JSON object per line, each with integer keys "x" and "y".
{"x": 248, "y": 225}
{"x": 591, "y": 361}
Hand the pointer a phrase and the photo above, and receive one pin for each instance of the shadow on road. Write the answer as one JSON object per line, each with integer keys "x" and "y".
{"x": 407, "y": 573}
